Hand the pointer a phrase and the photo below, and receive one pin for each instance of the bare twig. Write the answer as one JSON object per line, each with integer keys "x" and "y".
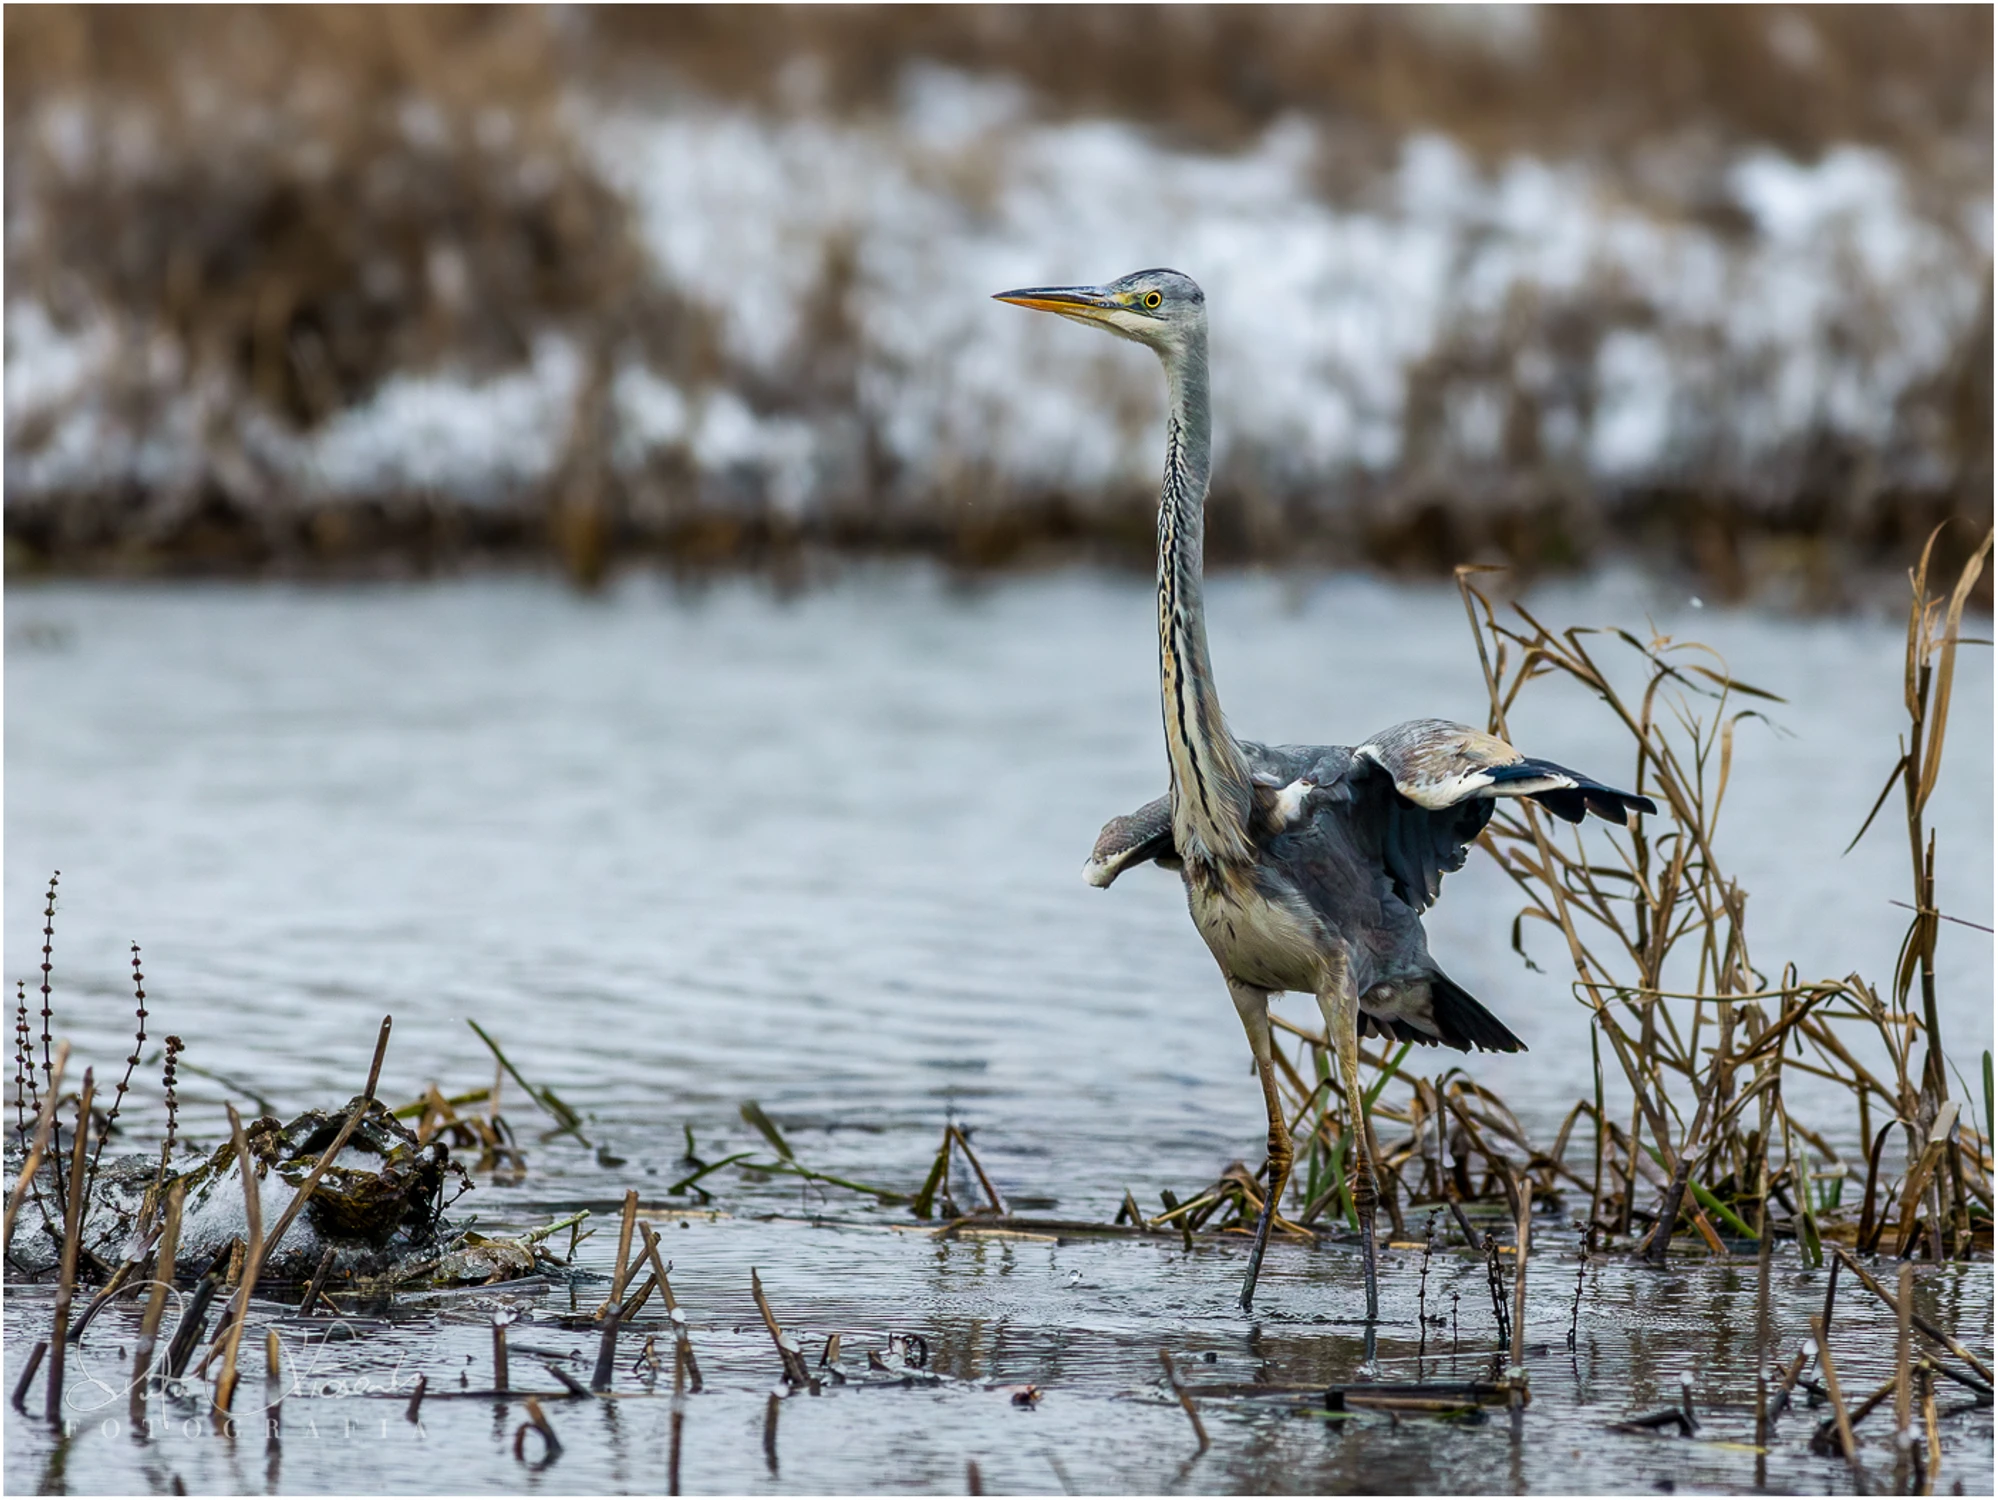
{"x": 795, "y": 1373}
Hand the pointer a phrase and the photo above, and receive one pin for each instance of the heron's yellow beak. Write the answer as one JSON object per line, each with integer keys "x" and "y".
{"x": 1086, "y": 303}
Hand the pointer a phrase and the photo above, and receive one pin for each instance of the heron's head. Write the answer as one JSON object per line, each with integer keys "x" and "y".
{"x": 1164, "y": 309}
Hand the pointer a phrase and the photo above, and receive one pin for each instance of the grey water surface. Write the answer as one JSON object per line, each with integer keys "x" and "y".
{"x": 682, "y": 846}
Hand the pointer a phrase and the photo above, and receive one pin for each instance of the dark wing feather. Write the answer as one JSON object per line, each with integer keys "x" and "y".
{"x": 1571, "y": 803}
{"x": 1418, "y": 846}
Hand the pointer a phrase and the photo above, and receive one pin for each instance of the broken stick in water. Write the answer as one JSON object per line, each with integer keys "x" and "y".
{"x": 795, "y": 1373}
{"x": 27, "y": 1380}
{"x": 500, "y": 1319}
{"x": 600, "y": 1379}
{"x": 684, "y": 1346}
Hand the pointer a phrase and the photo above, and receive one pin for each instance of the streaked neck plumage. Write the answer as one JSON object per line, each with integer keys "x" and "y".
{"x": 1210, "y": 783}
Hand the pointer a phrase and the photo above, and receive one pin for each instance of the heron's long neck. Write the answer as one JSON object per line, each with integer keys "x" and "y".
{"x": 1210, "y": 784}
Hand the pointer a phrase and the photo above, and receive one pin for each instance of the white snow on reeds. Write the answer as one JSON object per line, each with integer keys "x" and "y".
{"x": 1443, "y": 322}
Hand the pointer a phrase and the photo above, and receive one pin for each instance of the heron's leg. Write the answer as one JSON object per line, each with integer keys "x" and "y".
{"x": 1253, "y": 1006}
{"x": 1340, "y": 1005}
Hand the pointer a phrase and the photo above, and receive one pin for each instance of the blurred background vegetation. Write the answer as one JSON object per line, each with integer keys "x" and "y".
{"x": 352, "y": 290}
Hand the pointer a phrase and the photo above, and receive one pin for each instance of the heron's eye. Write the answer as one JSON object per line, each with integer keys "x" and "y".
{"x": 1152, "y": 299}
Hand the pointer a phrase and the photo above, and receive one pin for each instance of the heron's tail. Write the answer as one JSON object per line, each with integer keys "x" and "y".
{"x": 1463, "y": 1023}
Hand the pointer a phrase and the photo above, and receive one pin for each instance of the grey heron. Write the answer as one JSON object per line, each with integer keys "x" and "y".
{"x": 1307, "y": 867}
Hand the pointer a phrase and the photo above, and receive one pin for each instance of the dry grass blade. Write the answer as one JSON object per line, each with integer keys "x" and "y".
{"x": 253, "y": 1259}
{"x": 1848, "y": 1445}
{"x": 72, "y": 1236}
{"x": 1655, "y": 929}
{"x": 1945, "y": 670}
{"x": 32, "y": 1164}
{"x": 163, "y": 1268}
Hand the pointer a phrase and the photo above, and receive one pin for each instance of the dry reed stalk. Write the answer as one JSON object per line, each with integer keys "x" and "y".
{"x": 72, "y": 1235}
{"x": 1915, "y": 1319}
{"x": 1932, "y": 1444}
{"x": 253, "y": 1259}
{"x": 500, "y": 1375}
{"x": 635, "y": 1303}
{"x": 1656, "y": 935}
{"x": 621, "y": 1267}
{"x": 795, "y": 1373}
{"x": 315, "y": 1289}
{"x": 125, "y": 1080}
{"x": 601, "y": 1377}
{"x": 27, "y": 1093}
{"x": 1848, "y": 1445}
{"x": 27, "y": 1380}
{"x": 31, "y": 1165}
{"x": 683, "y": 1355}
{"x": 1881, "y": 1394}
{"x": 163, "y": 1269}
{"x": 1903, "y": 1393}
{"x": 141, "y": 1246}
{"x": 48, "y": 1014}
{"x": 1522, "y": 1240}
{"x": 992, "y": 1195}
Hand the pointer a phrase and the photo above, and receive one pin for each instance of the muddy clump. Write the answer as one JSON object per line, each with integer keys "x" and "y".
{"x": 379, "y": 1205}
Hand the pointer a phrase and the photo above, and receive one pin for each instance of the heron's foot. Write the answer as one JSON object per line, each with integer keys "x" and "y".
{"x": 1368, "y": 1258}
{"x": 1267, "y": 1219}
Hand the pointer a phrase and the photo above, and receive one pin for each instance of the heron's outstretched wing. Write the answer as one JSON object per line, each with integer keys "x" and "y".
{"x": 1417, "y": 845}
{"x": 1437, "y": 765}
{"x": 1274, "y": 774}
{"x": 1131, "y": 840}
{"x": 1427, "y": 788}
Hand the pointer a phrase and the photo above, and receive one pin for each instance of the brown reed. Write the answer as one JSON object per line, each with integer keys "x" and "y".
{"x": 1654, "y": 927}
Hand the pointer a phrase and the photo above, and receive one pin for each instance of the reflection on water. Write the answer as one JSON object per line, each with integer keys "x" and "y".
{"x": 1083, "y": 1322}
{"x": 679, "y": 848}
